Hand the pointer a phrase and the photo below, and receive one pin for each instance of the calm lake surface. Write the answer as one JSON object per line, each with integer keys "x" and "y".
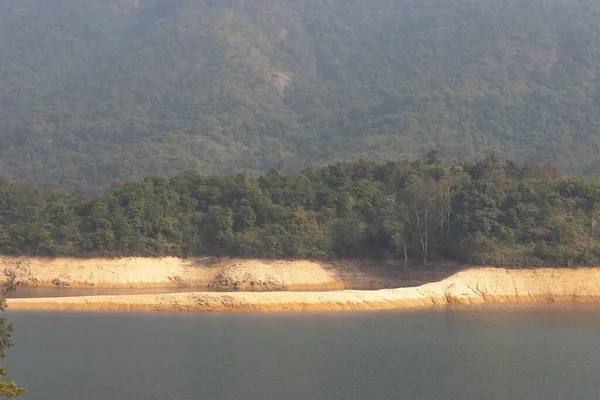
{"x": 490, "y": 352}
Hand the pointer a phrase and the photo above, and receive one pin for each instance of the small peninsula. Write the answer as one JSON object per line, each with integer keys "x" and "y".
{"x": 286, "y": 285}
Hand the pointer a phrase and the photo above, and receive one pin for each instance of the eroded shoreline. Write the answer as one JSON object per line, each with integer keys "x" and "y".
{"x": 473, "y": 286}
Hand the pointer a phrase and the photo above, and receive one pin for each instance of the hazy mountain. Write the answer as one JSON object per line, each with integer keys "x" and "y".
{"x": 96, "y": 90}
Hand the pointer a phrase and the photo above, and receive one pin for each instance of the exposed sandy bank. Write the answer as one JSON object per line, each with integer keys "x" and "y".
{"x": 172, "y": 272}
{"x": 473, "y": 286}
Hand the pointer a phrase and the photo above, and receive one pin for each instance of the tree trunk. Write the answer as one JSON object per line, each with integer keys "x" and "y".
{"x": 405, "y": 259}
{"x": 426, "y": 239}
{"x": 442, "y": 227}
{"x": 448, "y": 213}
{"x": 422, "y": 238}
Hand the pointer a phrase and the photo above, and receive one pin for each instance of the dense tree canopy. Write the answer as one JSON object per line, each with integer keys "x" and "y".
{"x": 489, "y": 211}
{"x": 97, "y": 90}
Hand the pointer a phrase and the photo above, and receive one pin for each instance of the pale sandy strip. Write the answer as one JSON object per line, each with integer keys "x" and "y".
{"x": 473, "y": 286}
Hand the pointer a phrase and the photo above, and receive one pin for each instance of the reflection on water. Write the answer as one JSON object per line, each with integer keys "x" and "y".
{"x": 494, "y": 352}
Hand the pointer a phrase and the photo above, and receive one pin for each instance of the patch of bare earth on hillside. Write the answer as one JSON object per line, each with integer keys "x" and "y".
{"x": 270, "y": 275}
{"x": 220, "y": 273}
{"x": 278, "y": 79}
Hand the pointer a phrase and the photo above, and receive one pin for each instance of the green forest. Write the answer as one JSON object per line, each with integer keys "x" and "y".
{"x": 98, "y": 91}
{"x": 490, "y": 212}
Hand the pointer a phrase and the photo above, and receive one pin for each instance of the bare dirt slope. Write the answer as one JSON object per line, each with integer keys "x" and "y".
{"x": 216, "y": 273}
{"x": 479, "y": 285}
{"x": 172, "y": 272}
{"x": 276, "y": 275}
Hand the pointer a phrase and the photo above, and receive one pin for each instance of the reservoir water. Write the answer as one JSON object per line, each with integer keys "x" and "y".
{"x": 493, "y": 352}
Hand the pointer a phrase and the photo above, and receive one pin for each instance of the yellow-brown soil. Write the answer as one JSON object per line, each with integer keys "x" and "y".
{"x": 138, "y": 272}
{"x": 473, "y": 286}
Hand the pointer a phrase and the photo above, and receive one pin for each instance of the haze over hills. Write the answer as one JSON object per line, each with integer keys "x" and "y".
{"x": 97, "y": 90}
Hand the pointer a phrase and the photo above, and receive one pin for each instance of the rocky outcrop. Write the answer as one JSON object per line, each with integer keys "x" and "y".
{"x": 474, "y": 286}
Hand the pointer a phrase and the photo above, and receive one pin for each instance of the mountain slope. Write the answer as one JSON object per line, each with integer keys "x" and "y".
{"x": 97, "y": 90}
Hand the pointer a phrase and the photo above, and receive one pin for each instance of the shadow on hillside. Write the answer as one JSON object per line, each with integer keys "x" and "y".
{"x": 371, "y": 275}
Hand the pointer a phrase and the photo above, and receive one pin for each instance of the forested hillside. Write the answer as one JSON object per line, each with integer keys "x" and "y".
{"x": 97, "y": 90}
{"x": 489, "y": 212}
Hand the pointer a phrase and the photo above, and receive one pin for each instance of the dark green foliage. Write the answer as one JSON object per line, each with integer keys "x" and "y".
{"x": 8, "y": 390}
{"x": 487, "y": 212}
{"x": 93, "y": 91}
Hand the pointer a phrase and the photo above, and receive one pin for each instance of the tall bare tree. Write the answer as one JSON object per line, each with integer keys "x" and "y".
{"x": 426, "y": 204}
{"x": 396, "y": 224}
